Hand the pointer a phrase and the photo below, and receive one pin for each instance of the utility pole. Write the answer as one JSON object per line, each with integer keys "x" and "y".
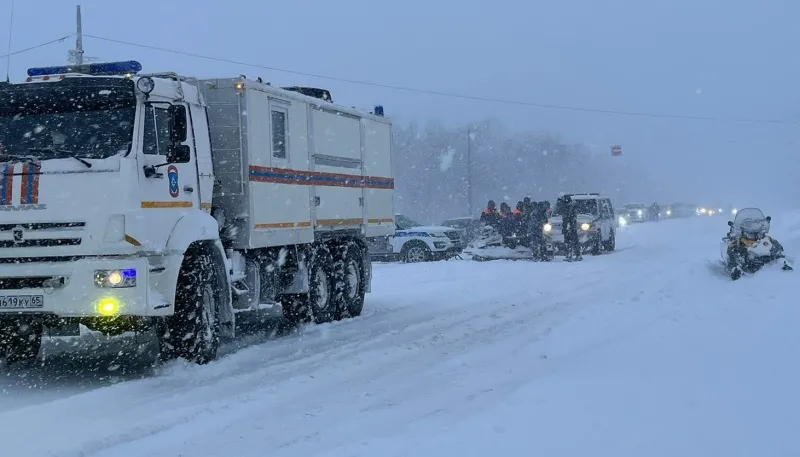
{"x": 469, "y": 171}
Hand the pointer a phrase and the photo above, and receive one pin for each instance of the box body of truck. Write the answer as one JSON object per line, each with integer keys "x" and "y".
{"x": 289, "y": 166}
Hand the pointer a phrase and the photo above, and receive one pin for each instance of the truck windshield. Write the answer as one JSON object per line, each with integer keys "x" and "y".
{"x": 49, "y": 123}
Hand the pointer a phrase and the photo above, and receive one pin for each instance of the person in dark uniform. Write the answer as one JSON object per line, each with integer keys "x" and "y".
{"x": 569, "y": 228}
{"x": 490, "y": 216}
{"x": 537, "y": 219}
{"x": 506, "y": 222}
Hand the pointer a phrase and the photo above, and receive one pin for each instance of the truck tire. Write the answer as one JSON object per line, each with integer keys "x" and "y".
{"x": 20, "y": 340}
{"x": 317, "y": 305}
{"x": 350, "y": 288}
{"x": 192, "y": 332}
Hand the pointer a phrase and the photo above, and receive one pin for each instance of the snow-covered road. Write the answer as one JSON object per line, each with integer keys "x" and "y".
{"x": 647, "y": 351}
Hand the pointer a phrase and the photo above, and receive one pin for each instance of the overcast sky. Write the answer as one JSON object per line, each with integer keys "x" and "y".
{"x": 715, "y": 58}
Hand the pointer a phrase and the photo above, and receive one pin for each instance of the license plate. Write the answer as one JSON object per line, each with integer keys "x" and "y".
{"x": 21, "y": 301}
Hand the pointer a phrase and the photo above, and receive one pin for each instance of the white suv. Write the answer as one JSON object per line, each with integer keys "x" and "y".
{"x": 413, "y": 242}
{"x": 597, "y": 225}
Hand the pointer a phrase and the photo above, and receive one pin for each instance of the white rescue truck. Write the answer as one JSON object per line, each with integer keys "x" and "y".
{"x": 133, "y": 202}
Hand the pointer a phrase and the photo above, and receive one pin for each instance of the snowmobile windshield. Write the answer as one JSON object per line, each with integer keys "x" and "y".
{"x": 751, "y": 220}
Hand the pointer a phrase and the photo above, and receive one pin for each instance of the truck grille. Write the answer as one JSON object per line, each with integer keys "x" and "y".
{"x": 40, "y": 234}
{"x": 29, "y": 282}
{"x": 42, "y": 243}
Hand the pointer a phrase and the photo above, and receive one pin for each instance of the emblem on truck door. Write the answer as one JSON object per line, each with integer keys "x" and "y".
{"x": 172, "y": 176}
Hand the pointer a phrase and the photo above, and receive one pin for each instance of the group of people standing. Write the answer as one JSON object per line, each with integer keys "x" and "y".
{"x": 525, "y": 225}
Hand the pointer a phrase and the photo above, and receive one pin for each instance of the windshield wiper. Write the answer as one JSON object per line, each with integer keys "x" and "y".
{"x": 62, "y": 154}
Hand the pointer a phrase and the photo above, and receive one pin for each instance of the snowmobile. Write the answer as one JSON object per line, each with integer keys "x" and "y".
{"x": 748, "y": 247}
{"x": 491, "y": 245}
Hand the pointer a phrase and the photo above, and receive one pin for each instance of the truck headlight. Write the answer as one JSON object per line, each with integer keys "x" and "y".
{"x": 585, "y": 227}
{"x": 622, "y": 221}
{"x": 548, "y": 227}
{"x": 115, "y": 278}
{"x": 669, "y": 212}
{"x": 639, "y": 213}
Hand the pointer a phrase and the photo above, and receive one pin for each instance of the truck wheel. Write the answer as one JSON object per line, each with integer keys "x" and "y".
{"x": 192, "y": 332}
{"x": 350, "y": 289}
{"x": 21, "y": 340}
{"x": 415, "y": 252}
{"x": 317, "y": 305}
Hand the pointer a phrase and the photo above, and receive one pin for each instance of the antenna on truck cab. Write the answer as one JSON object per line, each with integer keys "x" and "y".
{"x": 76, "y": 56}
{"x": 8, "y": 59}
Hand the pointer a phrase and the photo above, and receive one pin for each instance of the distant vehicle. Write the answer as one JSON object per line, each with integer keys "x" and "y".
{"x": 710, "y": 211}
{"x": 413, "y": 242}
{"x": 683, "y": 210}
{"x": 636, "y": 212}
{"x": 597, "y": 224}
{"x": 469, "y": 227}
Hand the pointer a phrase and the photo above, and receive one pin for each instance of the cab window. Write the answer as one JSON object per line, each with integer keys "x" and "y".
{"x": 156, "y": 131}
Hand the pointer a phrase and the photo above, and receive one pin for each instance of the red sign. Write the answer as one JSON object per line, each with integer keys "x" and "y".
{"x": 616, "y": 150}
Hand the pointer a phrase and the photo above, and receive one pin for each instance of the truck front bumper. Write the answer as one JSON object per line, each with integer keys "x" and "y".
{"x": 68, "y": 289}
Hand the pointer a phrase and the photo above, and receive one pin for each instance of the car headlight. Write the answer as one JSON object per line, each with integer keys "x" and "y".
{"x": 702, "y": 210}
{"x": 639, "y": 212}
{"x": 115, "y": 278}
{"x": 548, "y": 227}
{"x": 585, "y": 226}
{"x": 734, "y": 211}
{"x": 669, "y": 212}
{"x": 437, "y": 235}
{"x": 622, "y": 221}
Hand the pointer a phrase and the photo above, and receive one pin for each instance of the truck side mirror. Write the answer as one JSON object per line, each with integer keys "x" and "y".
{"x": 730, "y": 223}
{"x": 178, "y": 123}
{"x": 179, "y": 153}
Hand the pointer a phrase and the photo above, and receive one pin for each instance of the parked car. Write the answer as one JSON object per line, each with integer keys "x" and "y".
{"x": 414, "y": 242}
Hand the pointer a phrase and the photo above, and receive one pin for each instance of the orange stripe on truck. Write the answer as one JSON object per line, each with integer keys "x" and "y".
{"x": 151, "y": 205}
{"x": 282, "y": 225}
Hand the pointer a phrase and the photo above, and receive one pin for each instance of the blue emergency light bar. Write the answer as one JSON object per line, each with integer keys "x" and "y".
{"x": 94, "y": 69}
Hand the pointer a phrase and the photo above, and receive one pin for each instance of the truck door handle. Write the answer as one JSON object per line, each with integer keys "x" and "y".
{"x": 188, "y": 189}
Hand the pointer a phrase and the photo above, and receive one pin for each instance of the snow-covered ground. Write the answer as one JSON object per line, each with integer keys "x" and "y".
{"x": 649, "y": 351}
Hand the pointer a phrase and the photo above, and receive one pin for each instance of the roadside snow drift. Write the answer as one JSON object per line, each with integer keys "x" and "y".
{"x": 648, "y": 351}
